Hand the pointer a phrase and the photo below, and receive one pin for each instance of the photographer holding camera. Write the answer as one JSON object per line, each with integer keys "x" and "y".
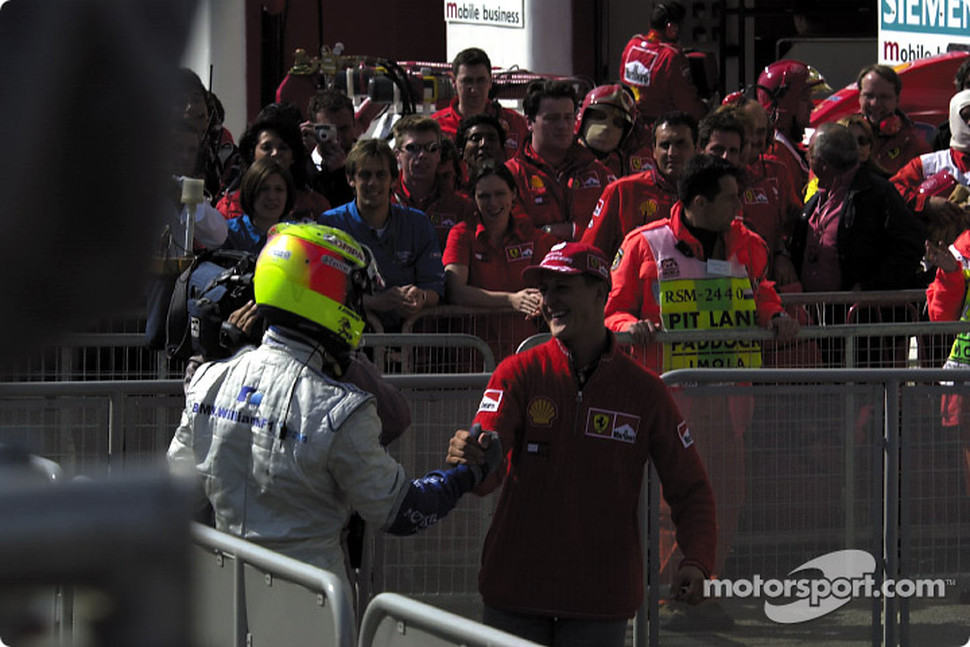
{"x": 329, "y": 136}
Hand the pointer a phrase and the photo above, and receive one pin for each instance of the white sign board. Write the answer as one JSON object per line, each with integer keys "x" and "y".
{"x": 914, "y": 29}
{"x": 491, "y": 13}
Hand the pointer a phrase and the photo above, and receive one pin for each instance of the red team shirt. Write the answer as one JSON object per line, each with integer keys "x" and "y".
{"x": 515, "y": 125}
{"x": 627, "y": 204}
{"x": 660, "y": 74}
{"x": 564, "y": 538}
{"x": 566, "y": 194}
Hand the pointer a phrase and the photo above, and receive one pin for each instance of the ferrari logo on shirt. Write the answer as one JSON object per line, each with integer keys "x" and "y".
{"x": 536, "y": 183}
{"x": 612, "y": 425}
{"x": 617, "y": 259}
{"x": 755, "y": 196}
{"x": 542, "y": 411}
{"x": 518, "y": 252}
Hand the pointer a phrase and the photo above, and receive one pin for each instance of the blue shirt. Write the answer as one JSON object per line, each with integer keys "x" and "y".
{"x": 243, "y": 235}
{"x": 407, "y": 253}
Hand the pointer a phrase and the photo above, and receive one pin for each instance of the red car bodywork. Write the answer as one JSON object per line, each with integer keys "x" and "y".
{"x": 927, "y": 88}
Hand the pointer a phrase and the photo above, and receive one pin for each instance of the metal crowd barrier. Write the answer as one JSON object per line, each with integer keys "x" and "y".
{"x": 831, "y": 460}
{"x": 392, "y": 620}
{"x": 492, "y": 334}
{"x": 849, "y": 341}
{"x": 247, "y": 595}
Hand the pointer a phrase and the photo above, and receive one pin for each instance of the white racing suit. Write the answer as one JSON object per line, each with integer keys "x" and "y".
{"x": 285, "y": 453}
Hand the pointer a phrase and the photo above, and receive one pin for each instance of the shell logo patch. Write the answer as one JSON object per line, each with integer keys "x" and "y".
{"x": 536, "y": 183}
{"x": 648, "y": 209}
{"x": 612, "y": 425}
{"x": 491, "y": 400}
{"x": 542, "y": 411}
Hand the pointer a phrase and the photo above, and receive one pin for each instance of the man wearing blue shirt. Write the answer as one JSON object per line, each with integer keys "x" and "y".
{"x": 402, "y": 239}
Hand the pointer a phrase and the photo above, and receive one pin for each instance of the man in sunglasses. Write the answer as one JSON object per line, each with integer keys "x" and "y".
{"x": 417, "y": 147}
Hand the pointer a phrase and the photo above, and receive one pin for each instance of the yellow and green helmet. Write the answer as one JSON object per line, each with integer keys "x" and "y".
{"x": 319, "y": 274}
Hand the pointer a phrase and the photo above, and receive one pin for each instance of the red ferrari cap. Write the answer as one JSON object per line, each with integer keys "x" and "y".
{"x": 570, "y": 258}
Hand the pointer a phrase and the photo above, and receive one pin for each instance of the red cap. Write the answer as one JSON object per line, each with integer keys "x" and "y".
{"x": 570, "y": 258}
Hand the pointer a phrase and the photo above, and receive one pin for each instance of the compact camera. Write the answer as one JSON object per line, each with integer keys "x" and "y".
{"x": 325, "y": 132}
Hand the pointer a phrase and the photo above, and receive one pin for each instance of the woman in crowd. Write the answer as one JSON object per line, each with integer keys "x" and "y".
{"x": 267, "y": 196}
{"x": 280, "y": 140}
{"x": 484, "y": 259}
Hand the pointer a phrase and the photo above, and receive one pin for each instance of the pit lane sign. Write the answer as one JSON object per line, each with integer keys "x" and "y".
{"x": 490, "y": 13}
{"x": 914, "y": 29}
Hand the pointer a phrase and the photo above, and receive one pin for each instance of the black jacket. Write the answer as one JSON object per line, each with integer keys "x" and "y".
{"x": 880, "y": 241}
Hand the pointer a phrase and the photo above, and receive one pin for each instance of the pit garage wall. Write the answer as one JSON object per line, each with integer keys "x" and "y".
{"x": 250, "y": 44}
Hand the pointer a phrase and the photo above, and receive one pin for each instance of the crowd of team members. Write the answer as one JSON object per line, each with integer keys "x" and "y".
{"x": 471, "y": 194}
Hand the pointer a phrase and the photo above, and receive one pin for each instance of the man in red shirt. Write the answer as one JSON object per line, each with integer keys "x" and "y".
{"x": 472, "y": 75}
{"x": 657, "y": 69}
{"x": 637, "y": 199}
{"x": 558, "y": 180}
{"x": 764, "y": 209}
{"x": 701, "y": 269}
{"x": 942, "y": 170}
{"x": 578, "y": 420}
{"x": 417, "y": 143}
{"x": 897, "y": 140}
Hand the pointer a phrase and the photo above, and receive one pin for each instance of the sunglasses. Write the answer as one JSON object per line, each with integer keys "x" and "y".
{"x": 414, "y": 149}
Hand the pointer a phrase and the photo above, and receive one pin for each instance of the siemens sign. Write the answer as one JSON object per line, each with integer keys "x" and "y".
{"x": 492, "y": 13}
{"x": 914, "y": 29}
{"x": 927, "y": 16}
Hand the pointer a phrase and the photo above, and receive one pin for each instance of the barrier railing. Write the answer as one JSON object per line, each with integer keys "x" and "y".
{"x": 119, "y": 353}
{"x": 396, "y": 621}
{"x": 837, "y": 461}
{"x": 831, "y": 461}
{"x": 834, "y": 346}
{"x": 248, "y": 595}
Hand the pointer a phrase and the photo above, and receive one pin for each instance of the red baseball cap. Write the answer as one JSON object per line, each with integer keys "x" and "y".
{"x": 570, "y": 258}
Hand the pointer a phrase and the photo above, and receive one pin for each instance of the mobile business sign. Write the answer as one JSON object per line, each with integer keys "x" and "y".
{"x": 492, "y": 13}
{"x": 914, "y": 29}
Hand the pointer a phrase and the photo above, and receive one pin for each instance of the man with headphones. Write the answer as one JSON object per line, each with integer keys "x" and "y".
{"x": 658, "y": 70}
{"x": 897, "y": 141}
